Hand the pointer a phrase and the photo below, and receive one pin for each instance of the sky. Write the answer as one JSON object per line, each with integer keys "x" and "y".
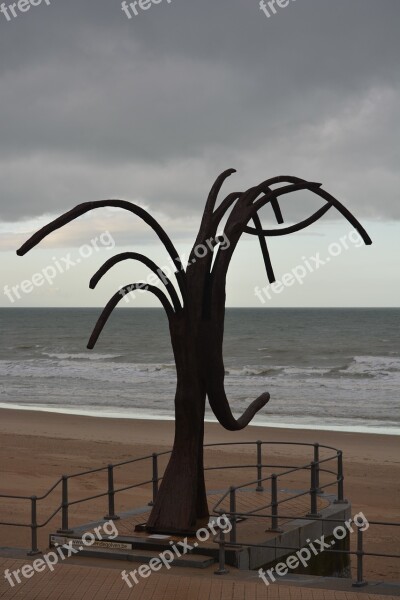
{"x": 152, "y": 108}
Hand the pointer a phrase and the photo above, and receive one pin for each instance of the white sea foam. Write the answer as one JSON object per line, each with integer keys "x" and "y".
{"x": 120, "y": 413}
{"x": 373, "y": 365}
{"x": 82, "y": 356}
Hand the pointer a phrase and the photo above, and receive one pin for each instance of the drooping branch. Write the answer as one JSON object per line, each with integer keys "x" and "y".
{"x": 316, "y": 189}
{"x": 146, "y": 261}
{"x": 217, "y": 396}
{"x": 265, "y": 188}
{"x": 221, "y": 409}
{"x": 243, "y": 213}
{"x": 258, "y": 230}
{"x": 277, "y": 210}
{"x": 293, "y": 228}
{"x": 346, "y": 213}
{"x": 224, "y": 207}
{"x": 81, "y": 209}
{"x": 273, "y": 194}
{"x": 111, "y": 304}
{"x": 264, "y": 248}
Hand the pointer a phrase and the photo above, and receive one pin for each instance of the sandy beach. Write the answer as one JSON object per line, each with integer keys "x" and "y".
{"x": 38, "y": 447}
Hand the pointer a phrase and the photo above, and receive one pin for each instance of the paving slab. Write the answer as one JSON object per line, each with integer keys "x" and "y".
{"x": 69, "y": 581}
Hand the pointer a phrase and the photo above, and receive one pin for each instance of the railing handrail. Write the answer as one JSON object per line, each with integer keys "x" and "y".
{"x": 66, "y": 503}
{"x": 219, "y": 538}
{"x": 130, "y": 461}
{"x": 282, "y": 474}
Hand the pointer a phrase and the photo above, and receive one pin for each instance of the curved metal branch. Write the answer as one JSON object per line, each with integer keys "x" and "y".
{"x": 208, "y": 225}
{"x": 237, "y": 223}
{"x": 198, "y": 270}
{"x": 346, "y": 213}
{"x": 146, "y": 261}
{"x": 81, "y": 209}
{"x": 231, "y": 199}
{"x": 216, "y": 188}
{"x": 277, "y": 210}
{"x": 316, "y": 189}
{"x": 111, "y": 304}
{"x": 221, "y": 409}
{"x": 215, "y": 389}
{"x": 264, "y": 187}
{"x": 292, "y": 229}
{"x": 286, "y": 189}
{"x": 225, "y": 205}
{"x": 264, "y": 248}
{"x": 258, "y": 230}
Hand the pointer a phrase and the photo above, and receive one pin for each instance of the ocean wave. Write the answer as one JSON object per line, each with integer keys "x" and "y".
{"x": 87, "y": 365}
{"x": 371, "y": 366}
{"x": 82, "y": 356}
{"x": 117, "y": 373}
{"x": 253, "y": 371}
{"x": 278, "y": 370}
{"x": 318, "y": 371}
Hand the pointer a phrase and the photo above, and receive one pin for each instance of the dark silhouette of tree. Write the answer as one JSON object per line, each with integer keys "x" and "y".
{"x": 196, "y": 323}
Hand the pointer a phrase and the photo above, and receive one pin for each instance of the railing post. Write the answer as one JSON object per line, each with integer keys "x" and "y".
{"x": 64, "y": 506}
{"x": 34, "y": 549}
{"x": 316, "y": 460}
{"x": 154, "y": 478}
{"x": 274, "y": 503}
{"x": 221, "y": 568}
{"x": 232, "y": 509}
{"x": 259, "y": 487}
{"x": 340, "y": 478}
{"x": 313, "y": 492}
{"x": 111, "y": 495}
{"x": 360, "y": 582}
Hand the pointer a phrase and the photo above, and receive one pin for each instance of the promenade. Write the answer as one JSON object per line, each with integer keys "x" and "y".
{"x": 70, "y": 581}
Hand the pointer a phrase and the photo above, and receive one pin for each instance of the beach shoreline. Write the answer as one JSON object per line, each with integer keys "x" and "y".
{"x": 141, "y": 415}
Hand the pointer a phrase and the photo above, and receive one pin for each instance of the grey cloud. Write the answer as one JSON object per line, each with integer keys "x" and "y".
{"x": 95, "y": 105}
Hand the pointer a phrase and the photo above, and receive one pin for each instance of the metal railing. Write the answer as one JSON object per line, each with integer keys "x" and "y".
{"x": 62, "y": 485}
{"x": 315, "y": 489}
{"x": 360, "y": 553}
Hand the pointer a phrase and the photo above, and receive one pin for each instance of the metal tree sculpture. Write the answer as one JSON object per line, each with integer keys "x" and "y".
{"x": 196, "y": 323}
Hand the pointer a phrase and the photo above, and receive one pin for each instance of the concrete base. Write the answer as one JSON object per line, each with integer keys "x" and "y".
{"x": 294, "y": 535}
{"x": 291, "y": 537}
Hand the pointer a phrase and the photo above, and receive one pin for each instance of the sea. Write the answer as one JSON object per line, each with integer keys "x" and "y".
{"x": 335, "y": 369}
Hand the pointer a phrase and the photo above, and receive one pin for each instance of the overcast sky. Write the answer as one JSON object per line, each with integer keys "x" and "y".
{"x": 150, "y": 109}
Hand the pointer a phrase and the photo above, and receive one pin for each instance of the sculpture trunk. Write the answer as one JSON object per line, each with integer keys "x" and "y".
{"x": 181, "y": 503}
